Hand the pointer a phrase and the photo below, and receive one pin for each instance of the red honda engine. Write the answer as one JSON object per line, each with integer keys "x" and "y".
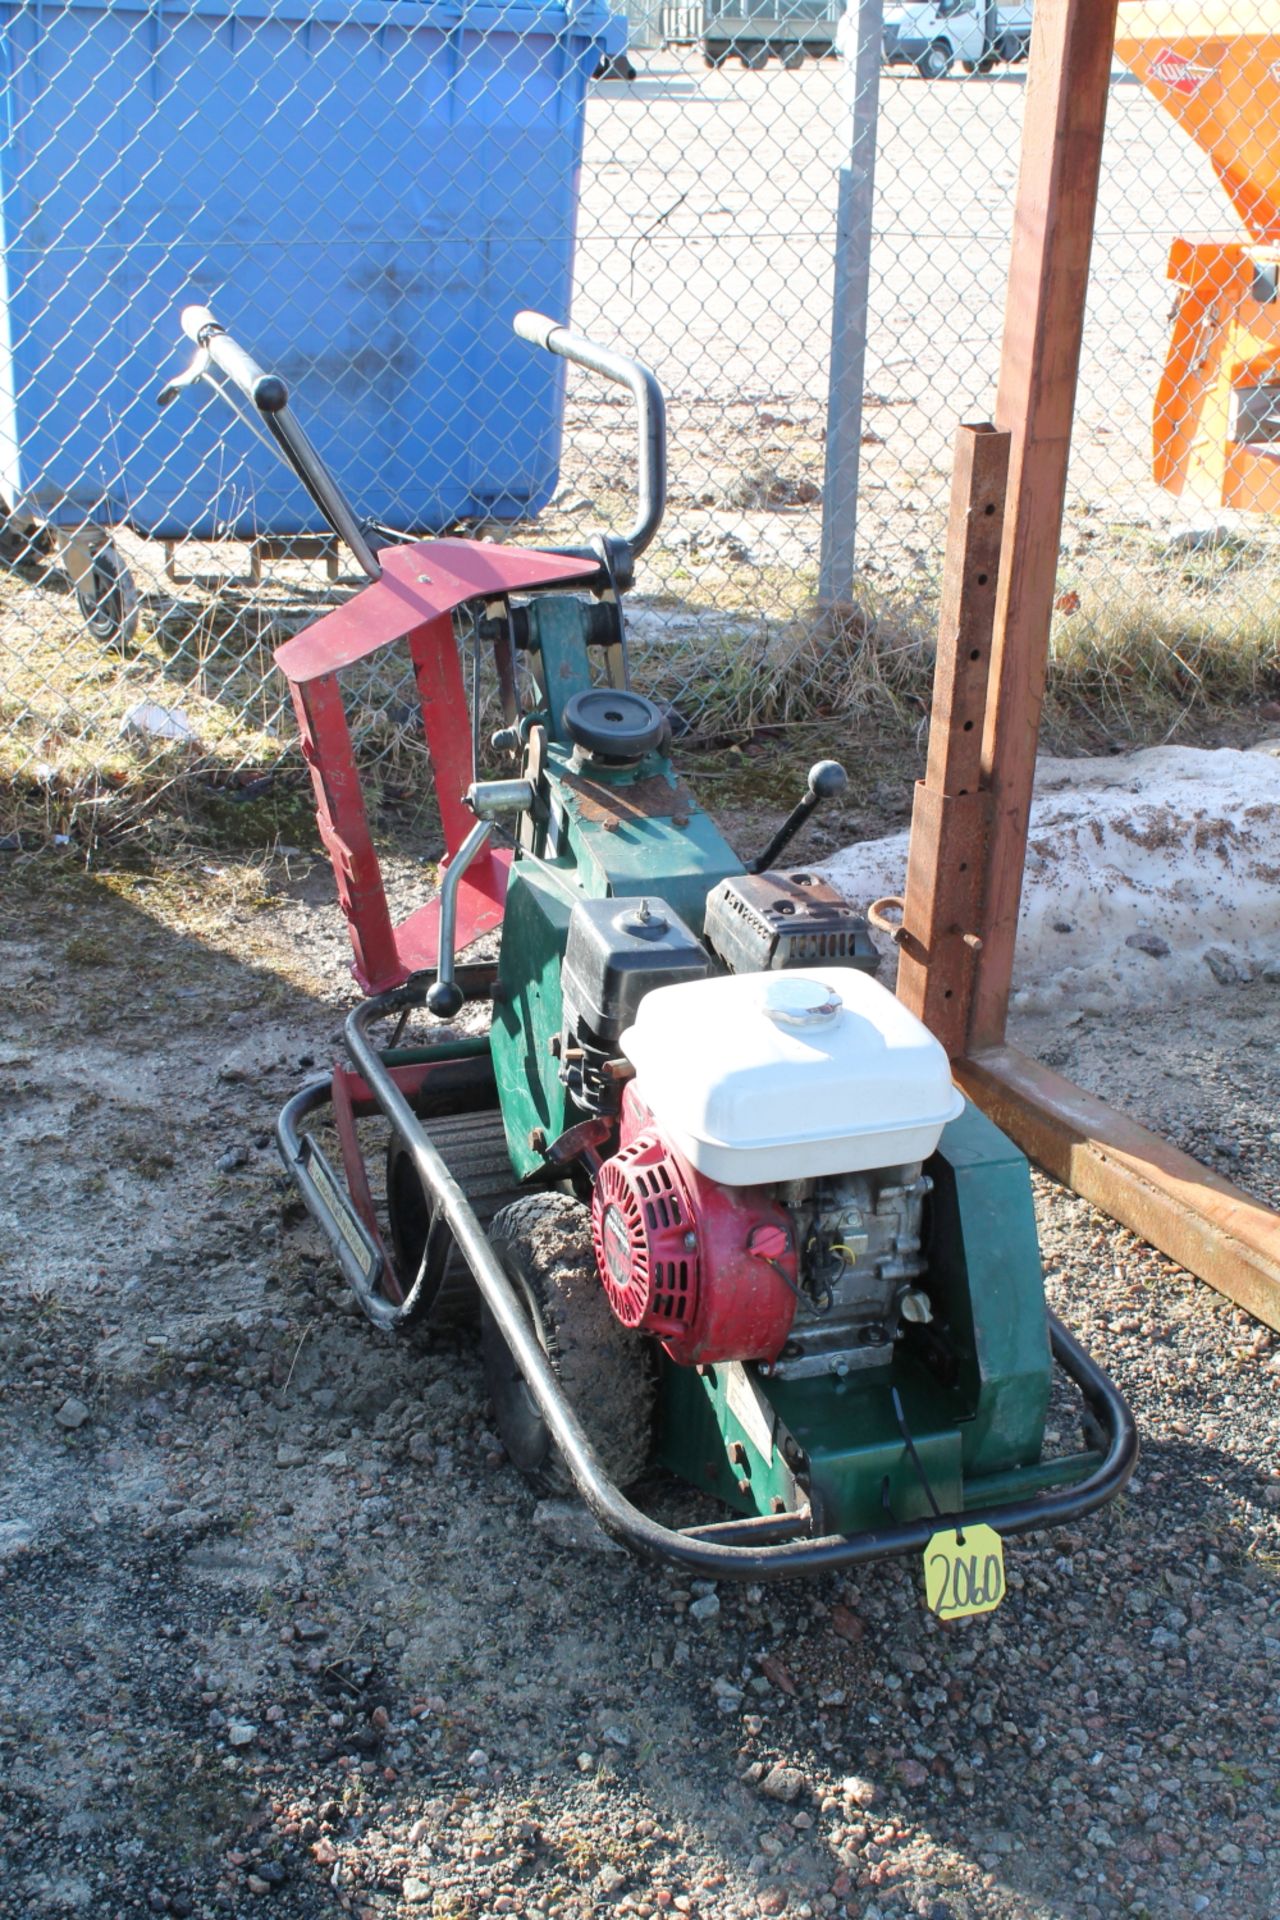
{"x": 710, "y": 1270}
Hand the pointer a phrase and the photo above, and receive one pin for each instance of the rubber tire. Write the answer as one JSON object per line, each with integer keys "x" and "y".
{"x": 936, "y": 61}
{"x": 109, "y": 603}
{"x": 1010, "y": 48}
{"x": 410, "y": 1225}
{"x": 450, "y": 1297}
{"x": 544, "y": 1244}
{"x": 754, "y": 55}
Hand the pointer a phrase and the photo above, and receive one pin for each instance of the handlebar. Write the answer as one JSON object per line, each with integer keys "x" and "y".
{"x": 650, "y": 407}
{"x": 268, "y": 393}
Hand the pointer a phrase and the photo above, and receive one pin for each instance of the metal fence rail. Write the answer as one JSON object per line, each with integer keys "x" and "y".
{"x": 807, "y": 246}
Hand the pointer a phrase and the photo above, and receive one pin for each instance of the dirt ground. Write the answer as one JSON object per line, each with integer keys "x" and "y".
{"x": 283, "y": 1633}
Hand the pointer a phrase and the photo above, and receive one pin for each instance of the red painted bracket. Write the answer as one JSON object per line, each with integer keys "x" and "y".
{"x": 421, "y": 586}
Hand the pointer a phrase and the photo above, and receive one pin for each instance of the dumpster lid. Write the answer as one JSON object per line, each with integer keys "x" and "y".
{"x": 1209, "y": 66}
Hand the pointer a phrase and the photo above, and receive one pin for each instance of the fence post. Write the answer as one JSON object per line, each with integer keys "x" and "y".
{"x": 849, "y": 310}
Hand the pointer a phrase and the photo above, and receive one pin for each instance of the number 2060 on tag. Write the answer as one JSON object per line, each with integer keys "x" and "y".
{"x": 966, "y": 1575}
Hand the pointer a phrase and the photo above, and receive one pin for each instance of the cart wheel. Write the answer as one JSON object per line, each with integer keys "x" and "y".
{"x": 755, "y": 54}
{"x": 795, "y": 57}
{"x": 544, "y": 1244}
{"x": 108, "y": 599}
{"x": 715, "y": 53}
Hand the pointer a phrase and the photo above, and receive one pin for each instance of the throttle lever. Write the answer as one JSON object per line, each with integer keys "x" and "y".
{"x": 827, "y": 780}
{"x": 181, "y": 381}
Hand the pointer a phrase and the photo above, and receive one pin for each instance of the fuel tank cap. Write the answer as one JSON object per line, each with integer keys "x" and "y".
{"x": 796, "y": 1002}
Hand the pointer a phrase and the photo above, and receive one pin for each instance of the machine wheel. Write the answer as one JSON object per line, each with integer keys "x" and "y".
{"x": 544, "y": 1244}
{"x": 754, "y": 54}
{"x": 108, "y": 600}
{"x": 474, "y": 1148}
{"x": 936, "y": 61}
{"x": 715, "y": 53}
{"x": 795, "y": 57}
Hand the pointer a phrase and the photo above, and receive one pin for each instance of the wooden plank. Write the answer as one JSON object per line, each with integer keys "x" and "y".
{"x": 1067, "y": 85}
{"x": 1211, "y": 1228}
{"x": 947, "y": 858}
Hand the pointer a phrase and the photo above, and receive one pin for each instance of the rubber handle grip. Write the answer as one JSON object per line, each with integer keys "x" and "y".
{"x": 194, "y": 320}
{"x": 266, "y": 391}
{"x": 535, "y": 328}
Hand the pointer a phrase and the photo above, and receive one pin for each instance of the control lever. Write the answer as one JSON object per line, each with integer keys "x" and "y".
{"x": 197, "y": 370}
{"x": 489, "y": 800}
{"x": 827, "y": 781}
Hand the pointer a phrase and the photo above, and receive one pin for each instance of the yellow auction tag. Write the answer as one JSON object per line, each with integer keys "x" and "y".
{"x": 964, "y": 1573}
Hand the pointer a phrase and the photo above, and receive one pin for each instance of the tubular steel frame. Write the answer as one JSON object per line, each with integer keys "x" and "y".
{"x": 768, "y": 1548}
{"x": 972, "y": 810}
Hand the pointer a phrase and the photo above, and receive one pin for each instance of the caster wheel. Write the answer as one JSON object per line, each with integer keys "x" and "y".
{"x": 544, "y": 1244}
{"x": 108, "y": 600}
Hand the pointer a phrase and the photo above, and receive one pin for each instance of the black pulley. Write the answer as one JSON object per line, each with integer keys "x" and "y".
{"x": 616, "y": 724}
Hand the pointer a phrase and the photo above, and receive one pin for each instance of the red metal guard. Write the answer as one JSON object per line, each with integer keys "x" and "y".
{"x": 414, "y": 601}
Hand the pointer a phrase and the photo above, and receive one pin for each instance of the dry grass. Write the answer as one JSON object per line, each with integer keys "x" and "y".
{"x": 1145, "y": 640}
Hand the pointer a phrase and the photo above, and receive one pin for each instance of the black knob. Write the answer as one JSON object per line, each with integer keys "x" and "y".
{"x": 615, "y": 723}
{"x": 827, "y": 780}
{"x": 271, "y": 394}
{"x": 444, "y": 999}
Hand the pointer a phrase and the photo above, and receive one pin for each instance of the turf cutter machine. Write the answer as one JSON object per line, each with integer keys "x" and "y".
{"x": 725, "y": 1210}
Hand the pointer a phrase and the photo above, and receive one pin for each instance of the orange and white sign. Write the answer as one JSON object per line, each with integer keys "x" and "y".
{"x": 1175, "y": 71}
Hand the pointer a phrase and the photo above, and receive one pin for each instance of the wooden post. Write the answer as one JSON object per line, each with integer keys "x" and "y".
{"x": 946, "y": 862}
{"x": 1212, "y": 1228}
{"x": 1067, "y": 85}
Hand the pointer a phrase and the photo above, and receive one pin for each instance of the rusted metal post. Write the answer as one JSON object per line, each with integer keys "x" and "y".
{"x": 946, "y": 863}
{"x": 1065, "y": 116}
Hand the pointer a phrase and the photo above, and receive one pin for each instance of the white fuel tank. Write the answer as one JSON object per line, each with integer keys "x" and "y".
{"x": 761, "y": 1077}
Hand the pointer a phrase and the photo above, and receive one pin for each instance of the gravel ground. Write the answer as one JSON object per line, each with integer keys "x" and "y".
{"x": 281, "y": 1633}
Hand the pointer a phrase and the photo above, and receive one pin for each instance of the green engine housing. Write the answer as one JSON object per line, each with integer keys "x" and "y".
{"x": 972, "y": 1388}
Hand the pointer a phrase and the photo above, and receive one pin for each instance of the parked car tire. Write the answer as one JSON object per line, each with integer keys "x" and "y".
{"x": 936, "y": 61}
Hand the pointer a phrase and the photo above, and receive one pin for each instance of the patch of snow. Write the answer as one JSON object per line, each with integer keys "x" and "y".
{"x": 1173, "y": 846}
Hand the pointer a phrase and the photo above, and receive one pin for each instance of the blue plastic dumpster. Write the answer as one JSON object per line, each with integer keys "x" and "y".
{"x": 364, "y": 192}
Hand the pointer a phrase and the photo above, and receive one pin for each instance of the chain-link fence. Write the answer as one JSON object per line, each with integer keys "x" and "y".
{"x": 809, "y": 245}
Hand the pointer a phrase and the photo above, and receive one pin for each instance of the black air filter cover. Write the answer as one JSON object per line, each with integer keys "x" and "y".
{"x": 766, "y": 922}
